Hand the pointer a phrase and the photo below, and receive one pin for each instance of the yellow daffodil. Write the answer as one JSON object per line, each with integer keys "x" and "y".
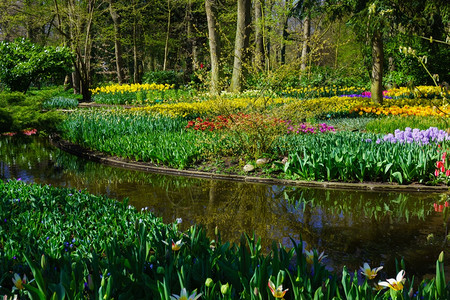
{"x": 277, "y": 292}
{"x": 395, "y": 284}
{"x": 310, "y": 256}
{"x": 184, "y": 295}
{"x": 19, "y": 282}
{"x": 368, "y": 272}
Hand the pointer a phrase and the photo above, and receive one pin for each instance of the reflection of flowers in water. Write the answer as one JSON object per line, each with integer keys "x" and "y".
{"x": 310, "y": 256}
{"x": 440, "y": 207}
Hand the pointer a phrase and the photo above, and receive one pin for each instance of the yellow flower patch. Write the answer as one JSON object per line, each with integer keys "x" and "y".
{"x": 403, "y": 111}
{"x": 131, "y": 88}
{"x": 428, "y": 92}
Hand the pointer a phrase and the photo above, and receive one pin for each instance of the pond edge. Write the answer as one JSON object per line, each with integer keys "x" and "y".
{"x": 106, "y": 159}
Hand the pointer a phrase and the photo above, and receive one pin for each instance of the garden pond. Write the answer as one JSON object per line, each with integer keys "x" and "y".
{"x": 351, "y": 227}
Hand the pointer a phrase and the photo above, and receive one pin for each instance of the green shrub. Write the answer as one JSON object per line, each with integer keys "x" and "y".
{"x": 164, "y": 77}
{"x": 22, "y": 62}
{"x": 5, "y": 120}
{"x": 12, "y": 98}
{"x": 22, "y": 111}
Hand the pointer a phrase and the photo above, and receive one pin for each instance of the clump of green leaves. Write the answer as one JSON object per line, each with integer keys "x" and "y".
{"x": 60, "y": 102}
{"x": 350, "y": 157}
{"x": 23, "y": 62}
{"x": 20, "y": 111}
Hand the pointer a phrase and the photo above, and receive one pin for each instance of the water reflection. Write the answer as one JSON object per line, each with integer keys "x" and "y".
{"x": 351, "y": 227}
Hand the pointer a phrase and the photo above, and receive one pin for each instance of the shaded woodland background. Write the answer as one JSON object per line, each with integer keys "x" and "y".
{"x": 233, "y": 45}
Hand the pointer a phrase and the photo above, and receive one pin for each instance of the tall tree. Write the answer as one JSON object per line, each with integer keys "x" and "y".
{"x": 210, "y": 7}
{"x": 306, "y": 35}
{"x": 259, "y": 41}
{"x": 75, "y": 21}
{"x": 241, "y": 44}
{"x": 116, "y": 18}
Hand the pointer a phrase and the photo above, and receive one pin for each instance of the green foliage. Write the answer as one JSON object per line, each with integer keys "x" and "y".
{"x": 60, "y": 102}
{"x": 344, "y": 156}
{"x": 391, "y": 123}
{"x": 20, "y": 112}
{"x": 137, "y": 136}
{"x": 164, "y": 77}
{"x": 406, "y": 70}
{"x": 320, "y": 76}
{"x": 6, "y": 120}
{"x": 74, "y": 245}
{"x": 14, "y": 98}
{"x": 353, "y": 124}
{"x": 348, "y": 157}
{"x": 22, "y": 62}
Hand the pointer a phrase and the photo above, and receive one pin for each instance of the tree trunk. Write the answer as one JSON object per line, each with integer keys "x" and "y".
{"x": 192, "y": 56}
{"x": 76, "y": 82}
{"x": 210, "y": 7}
{"x": 306, "y": 34}
{"x": 283, "y": 43}
{"x": 166, "y": 46}
{"x": 117, "y": 44}
{"x": 377, "y": 68}
{"x": 259, "y": 42}
{"x": 136, "y": 73}
{"x": 241, "y": 45}
{"x": 67, "y": 82}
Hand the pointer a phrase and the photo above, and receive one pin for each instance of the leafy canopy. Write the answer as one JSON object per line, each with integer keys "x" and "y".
{"x": 23, "y": 62}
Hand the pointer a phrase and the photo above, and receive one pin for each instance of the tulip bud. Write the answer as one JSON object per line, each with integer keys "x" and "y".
{"x": 216, "y": 231}
{"x": 160, "y": 270}
{"x": 224, "y": 289}
{"x": 43, "y": 262}
{"x": 209, "y": 282}
{"x": 441, "y": 257}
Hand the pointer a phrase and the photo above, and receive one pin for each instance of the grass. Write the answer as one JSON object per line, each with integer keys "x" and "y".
{"x": 390, "y": 124}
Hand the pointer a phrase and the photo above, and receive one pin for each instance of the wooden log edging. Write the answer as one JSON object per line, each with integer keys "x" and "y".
{"x": 148, "y": 167}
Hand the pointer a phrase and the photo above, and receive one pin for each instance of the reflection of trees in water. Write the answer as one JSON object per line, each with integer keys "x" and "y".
{"x": 27, "y": 157}
{"x": 367, "y": 226}
{"x": 238, "y": 207}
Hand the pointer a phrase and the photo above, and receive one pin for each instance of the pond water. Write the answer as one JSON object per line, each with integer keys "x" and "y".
{"x": 351, "y": 227}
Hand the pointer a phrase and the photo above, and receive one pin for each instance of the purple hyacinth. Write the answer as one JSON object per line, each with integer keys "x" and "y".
{"x": 416, "y": 135}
